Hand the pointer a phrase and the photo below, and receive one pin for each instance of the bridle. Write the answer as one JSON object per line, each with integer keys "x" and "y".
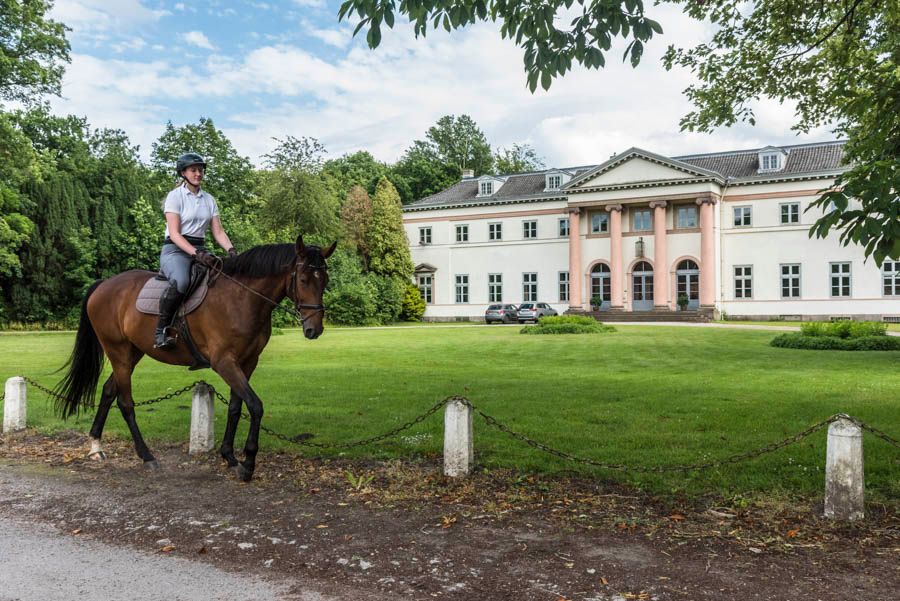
{"x": 302, "y": 266}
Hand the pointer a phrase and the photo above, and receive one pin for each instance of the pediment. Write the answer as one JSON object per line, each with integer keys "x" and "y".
{"x": 637, "y": 166}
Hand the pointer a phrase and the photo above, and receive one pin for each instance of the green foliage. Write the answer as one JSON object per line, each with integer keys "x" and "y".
{"x": 295, "y": 202}
{"x": 844, "y": 328}
{"x": 548, "y": 51}
{"x": 683, "y": 301}
{"x": 596, "y": 300}
{"x": 423, "y": 172}
{"x": 567, "y": 324}
{"x": 518, "y": 159}
{"x": 356, "y": 214}
{"x": 359, "y": 169}
{"x": 32, "y": 51}
{"x": 821, "y": 342}
{"x": 459, "y": 142}
{"x": 387, "y": 243}
{"x": 413, "y": 304}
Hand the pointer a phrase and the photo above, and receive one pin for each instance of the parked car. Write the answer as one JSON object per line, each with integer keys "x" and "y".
{"x": 501, "y": 313}
{"x": 534, "y": 311}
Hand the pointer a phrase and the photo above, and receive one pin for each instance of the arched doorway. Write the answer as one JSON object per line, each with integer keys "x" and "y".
{"x": 600, "y": 284}
{"x": 687, "y": 282}
{"x": 642, "y": 287}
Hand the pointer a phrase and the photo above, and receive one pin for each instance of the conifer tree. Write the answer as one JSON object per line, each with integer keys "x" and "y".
{"x": 388, "y": 246}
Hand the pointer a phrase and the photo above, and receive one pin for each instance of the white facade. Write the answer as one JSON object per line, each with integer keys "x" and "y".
{"x": 468, "y": 244}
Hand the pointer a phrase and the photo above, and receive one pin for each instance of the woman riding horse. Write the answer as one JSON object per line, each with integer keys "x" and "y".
{"x": 190, "y": 212}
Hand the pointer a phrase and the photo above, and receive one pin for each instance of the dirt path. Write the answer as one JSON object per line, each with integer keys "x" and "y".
{"x": 410, "y": 534}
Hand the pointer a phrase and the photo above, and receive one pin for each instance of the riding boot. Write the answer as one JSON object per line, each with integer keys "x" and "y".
{"x": 169, "y": 303}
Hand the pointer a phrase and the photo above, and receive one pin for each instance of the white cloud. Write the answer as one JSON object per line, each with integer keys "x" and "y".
{"x": 333, "y": 37}
{"x": 199, "y": 39}
{"x": 101, "y": 15}
{"x": 310, "y": 3}
{"x": 179, "y": 6}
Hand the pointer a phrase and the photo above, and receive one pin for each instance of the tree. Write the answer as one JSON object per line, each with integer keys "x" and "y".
{"x": 17, "y": 164}
{"x": 388, "y": 246}
{"x": 32, "y": 51}
{"x": 424, "y": 172}
{"x": 459, "y": 142}
{"x": 356, "y": 215}
{"x": 837, "y": 61}
{"x": 518, "y": 159}
{"x": 357, "y": 169}
{"x": 297, "y": 154}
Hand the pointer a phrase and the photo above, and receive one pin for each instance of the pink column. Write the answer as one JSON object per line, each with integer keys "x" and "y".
{"x": 615, "y": 255}
{"x": 660, "y": 260}
{"x": 707, "y": 253}
{"x": 575, "y": 259}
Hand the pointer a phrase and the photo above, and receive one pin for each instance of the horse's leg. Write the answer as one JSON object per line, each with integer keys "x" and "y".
{"x": 234, "y": 416}
{"x": 106, "y": 399}
{"x": 122, "y": 371}
{"x": 234, "y": 377}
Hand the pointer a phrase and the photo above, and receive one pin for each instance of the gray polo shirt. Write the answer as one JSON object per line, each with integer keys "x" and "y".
{"x": 196, "y": 210}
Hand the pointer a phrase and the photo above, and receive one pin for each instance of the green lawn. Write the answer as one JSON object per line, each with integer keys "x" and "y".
{"x": 641, "y": 396}
{"x": 891, "y": 327}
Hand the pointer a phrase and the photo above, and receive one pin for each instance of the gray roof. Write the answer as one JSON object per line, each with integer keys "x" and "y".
{"x": 742, "y": 165}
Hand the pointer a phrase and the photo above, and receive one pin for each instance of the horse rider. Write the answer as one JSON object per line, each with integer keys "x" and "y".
{"x": 190, "y": 212}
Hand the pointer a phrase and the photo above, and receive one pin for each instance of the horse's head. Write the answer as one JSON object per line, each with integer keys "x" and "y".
{"x": 309, "y": 277}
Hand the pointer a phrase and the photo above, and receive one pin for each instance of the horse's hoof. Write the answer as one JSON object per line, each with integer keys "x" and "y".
{"x": 97, "y": 456}
{"x": 152, "y": 465}
{"x": 242, "y": 473}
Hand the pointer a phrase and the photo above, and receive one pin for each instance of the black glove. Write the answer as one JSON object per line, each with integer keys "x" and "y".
{"x": 206, "y": 259}
{"x": 232, "y": 253}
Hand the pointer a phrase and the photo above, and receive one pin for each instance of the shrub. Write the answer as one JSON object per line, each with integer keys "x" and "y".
{"x": 413, "y": 304}
{"x": 836, "y": 343}
{"x": 844, "y": 329}
{"x": 567, "y": 324}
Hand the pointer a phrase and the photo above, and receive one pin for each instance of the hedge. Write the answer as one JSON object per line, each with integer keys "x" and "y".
{"x": 835, "y": 343}
{"x": 567, "y": 324}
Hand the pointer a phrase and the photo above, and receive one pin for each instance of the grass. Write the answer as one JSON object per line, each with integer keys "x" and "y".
{"x": 891, "y": 327}
{"x": 642, "y": 396}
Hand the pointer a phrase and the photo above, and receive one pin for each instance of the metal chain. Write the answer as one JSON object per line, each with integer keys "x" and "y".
{"x": 655, "y": 469}
{"x": 357, "y": 443}
{"x": 53, "y": 395}
{"x": 882, "y": 435}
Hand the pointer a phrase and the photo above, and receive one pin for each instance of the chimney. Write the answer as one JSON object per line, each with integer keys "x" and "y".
{"x": 468, "y": 173}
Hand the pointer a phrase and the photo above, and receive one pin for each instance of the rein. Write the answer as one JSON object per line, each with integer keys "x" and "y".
{"x": 295, "y": 312}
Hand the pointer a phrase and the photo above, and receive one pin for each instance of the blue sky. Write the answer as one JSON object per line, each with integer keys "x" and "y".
{"x": 264, "y": 69}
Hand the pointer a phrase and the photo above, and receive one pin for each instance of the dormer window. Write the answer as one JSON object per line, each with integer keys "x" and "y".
{"x": 554, "y": 181}
{"x": 486, "y": 188}
{"x": 771, "y": 159}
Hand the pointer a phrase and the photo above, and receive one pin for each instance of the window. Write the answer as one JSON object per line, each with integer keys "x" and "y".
{"x": 840, "y": 279}
{"x": 495, "y": 231}
{"x": 600, "y": 283}
{"x": 790, "y": 213}
{"x": 462, "y": 288}
{"x": 564, "y": 227}
{"x": 743, "y": 216}
{"x": 553, "y": 182}
{"x": 770, "y": 162}
{"x": 600, "y": 223}
{"x": 462, "y": 233}
{"x": 486, "y": 189}
{"x": 424, "y": 283}
{"x": 643, "y": 220}
{"x": 424, "y": 235}
{"x": 529, "y": 229}
{"x": 686, "y": 217}
{"x": 890, "y": 277}
{"x": 495, "y": 287}
{"x": 529, "y": 287}
{"x": 743, "y": 281}
{"x": 563, "y": 286}
{"x": 790, "y": 281}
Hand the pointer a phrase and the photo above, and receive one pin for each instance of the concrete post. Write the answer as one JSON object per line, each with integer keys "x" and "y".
{"x": 203, "y": 419}
{"x": 14, "y": 405}
{"x": 459, "y": 451}
{"x": 844, "y": 491}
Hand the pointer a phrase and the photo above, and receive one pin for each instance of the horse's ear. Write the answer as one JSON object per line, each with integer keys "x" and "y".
{"x": 301, "y": 248}
{"x": 328, "y": 251}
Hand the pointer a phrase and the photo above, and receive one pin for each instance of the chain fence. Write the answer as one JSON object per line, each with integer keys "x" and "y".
{"x": 300, "y": 440}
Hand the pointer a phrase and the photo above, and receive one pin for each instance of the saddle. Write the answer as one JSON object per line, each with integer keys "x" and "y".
{"x": 148, "y": 303}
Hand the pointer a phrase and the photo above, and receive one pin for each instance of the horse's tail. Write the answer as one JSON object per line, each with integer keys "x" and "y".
{"x": 76, "y": 391}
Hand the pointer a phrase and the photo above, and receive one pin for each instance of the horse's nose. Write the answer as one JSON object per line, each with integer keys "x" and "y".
{"x": 311, "y": 332}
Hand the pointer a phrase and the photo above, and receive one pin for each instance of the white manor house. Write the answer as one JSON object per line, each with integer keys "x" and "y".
{"x": 728, "y": 230}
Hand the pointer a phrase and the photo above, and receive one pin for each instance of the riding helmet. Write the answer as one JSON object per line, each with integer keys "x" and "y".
{"x": 189, "y": 159}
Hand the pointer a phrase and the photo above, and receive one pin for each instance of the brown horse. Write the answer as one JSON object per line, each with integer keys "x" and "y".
{"x": 231, "y": 329}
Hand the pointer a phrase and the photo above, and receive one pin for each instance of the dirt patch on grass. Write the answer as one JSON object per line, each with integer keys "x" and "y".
{"x": 402, "y": 530}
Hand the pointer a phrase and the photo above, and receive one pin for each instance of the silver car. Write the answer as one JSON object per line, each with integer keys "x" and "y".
{"x": 534, "y": 311}
{"x": 501, "y": 313}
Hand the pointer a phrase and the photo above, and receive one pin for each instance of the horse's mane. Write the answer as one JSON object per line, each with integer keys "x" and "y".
{"x": 261, "y": 261}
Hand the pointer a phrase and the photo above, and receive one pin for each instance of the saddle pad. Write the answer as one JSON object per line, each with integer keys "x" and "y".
{"x": 148, "y": 297}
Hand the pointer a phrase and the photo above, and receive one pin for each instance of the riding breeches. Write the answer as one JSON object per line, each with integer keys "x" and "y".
{"x": 175, "y": 264}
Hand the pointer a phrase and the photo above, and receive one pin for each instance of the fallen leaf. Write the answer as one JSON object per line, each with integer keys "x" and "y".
{"x": 793, "y": 533}
{"x": 322, "y": 526}
{"x": 76, "y": 531}
{"x": 676, "y": 517}
{"x": 447, "y": 521}
{"x": 202, "y": 551}
{"x": 604, "y": 581}
{"x": 167, "y": 549}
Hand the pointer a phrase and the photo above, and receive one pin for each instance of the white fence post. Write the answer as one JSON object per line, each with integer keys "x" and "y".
{"x": 203, "y": 420}
{"x": 459, "y": 453}
{"x": 844, "y": 489}
{"x": 15, "y": 405}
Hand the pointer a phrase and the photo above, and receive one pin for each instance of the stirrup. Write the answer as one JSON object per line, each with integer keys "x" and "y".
{"x": 164, "y": 341}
